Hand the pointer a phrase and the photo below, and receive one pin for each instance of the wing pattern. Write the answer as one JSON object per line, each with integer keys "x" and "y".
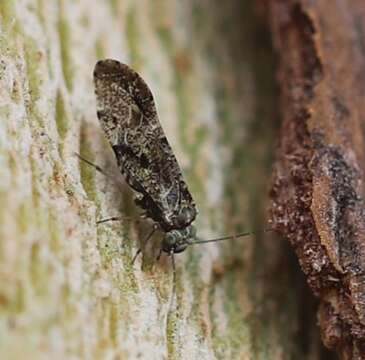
{"x": 127, "y": 114}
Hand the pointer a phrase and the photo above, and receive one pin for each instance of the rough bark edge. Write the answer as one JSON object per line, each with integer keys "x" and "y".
{"x": 317, "y": 185}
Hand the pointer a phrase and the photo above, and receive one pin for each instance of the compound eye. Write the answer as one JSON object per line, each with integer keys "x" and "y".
{"x": 180, "y": 247}
{"x": 170, "y": 239}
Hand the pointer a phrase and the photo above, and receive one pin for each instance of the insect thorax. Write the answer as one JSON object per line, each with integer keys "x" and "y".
{"x": 167, "y": 220}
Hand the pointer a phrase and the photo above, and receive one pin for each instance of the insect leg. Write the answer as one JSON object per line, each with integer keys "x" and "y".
{"x": 173, "y": 280}
{"x": 97, "y": 167}
{"x": 136, "y": 255}
{"x": 114, "y": 218}
{"x": 122, "y": 218}
{"x": 159, "y": 255}
{"x": 117, "y": 218}
{"x": 155, "y": 227}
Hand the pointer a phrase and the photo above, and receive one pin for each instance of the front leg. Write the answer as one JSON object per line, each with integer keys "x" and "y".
{"x": 96, "y": 167}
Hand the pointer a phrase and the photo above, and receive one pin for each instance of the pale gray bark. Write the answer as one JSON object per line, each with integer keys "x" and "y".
{"x": 68, "y": 289}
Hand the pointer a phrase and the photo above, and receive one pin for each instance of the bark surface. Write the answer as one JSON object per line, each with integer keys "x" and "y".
{"x": 68, "y": 288}
{"x": 318, "y": 190}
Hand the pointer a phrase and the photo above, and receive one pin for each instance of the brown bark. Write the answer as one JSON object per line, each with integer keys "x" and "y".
{"x": 318, "y": 185}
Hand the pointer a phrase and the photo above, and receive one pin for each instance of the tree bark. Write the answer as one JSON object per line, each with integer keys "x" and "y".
{"x": 68, "y": 288}
{"x": 318, "y": 188}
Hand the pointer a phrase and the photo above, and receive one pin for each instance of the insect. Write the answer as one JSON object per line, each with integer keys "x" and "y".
{"x": 127, "y": 114}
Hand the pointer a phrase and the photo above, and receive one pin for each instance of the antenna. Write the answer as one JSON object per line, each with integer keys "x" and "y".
{"x": 229, "y": 237}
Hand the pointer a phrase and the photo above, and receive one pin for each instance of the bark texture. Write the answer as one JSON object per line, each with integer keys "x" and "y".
{"x": 67, "y": 287}
{"x": 318, "y": 190}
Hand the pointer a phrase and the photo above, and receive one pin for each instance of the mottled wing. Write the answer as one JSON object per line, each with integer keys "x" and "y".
{"x": 127, "y": 114}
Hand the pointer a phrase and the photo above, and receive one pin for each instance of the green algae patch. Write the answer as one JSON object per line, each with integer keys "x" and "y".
{"x": 39, "y": 271}
{"x": 61, "y": 120}
{"x": 114, "y": 7}
{"x": 196, "y": 184}
{"x": 99, "y": 48}
{"x": 171, "y": 330}
{"x": 7, "y": 12}
{"x": 114, "y": 323}
{"x": 165, "y": 37}
{"x": 24, "y": 217}
{"x": 133, "y": 37}
{"x": 32, "y": 57}
{"x": 87, "y": 172}
{"x": 40, "y": 13}
{"x": 65, "y": 44}
{"x": 36, "y": 192}
{"x": 55, "y": 241}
